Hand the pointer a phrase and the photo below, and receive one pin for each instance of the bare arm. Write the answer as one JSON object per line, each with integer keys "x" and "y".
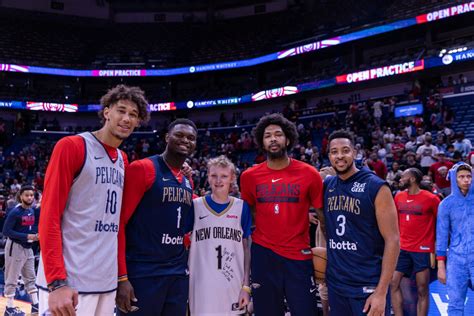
{"x": 320, "y": 215}
{"x": 246, "y": 243}
{"x": 386, "y": 214}
{"x": 244, "y": 295}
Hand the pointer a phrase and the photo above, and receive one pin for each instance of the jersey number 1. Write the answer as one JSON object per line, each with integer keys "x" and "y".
{"x": 219, "y": 257}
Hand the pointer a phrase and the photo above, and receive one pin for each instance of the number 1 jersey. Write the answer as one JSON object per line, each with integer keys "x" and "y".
{"x": 216, "y": 262}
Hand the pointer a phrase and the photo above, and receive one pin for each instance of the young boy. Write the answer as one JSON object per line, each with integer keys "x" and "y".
{"x": 219, "y": 261}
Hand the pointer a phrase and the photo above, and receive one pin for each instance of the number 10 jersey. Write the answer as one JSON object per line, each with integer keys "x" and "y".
{"x": 90, "y": 222}
{"x": 216, "y": 262}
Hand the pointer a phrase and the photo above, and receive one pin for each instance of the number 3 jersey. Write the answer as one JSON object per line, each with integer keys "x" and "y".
{"x": 90, "y": 222}
{"x": 216, "y": 262}
{"x": 354, "y": 243}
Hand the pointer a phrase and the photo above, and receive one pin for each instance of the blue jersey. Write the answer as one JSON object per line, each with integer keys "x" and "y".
{"x": 19, "y": 223}
{"x": 156, "y": 230}
{"x": 354, "y": 243}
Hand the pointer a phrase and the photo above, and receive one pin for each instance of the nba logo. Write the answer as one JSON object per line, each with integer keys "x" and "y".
{"x": 277, "y": 209}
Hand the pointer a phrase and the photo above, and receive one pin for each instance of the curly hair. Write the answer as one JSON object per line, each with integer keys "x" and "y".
{"x": 288, "y": 127}
{"x": 123, "y": 92}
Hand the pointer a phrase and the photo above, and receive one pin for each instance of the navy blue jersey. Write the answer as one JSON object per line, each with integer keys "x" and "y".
{"x": 19, "y": 223}
{"x": 156, "y": 230}
{"x": 354, "y": 243}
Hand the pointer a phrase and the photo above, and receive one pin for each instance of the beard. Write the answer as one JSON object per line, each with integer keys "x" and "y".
{"x": 277, "y": 154}
{"x": 403, "y": 186}
{"x": 27, "y": 203}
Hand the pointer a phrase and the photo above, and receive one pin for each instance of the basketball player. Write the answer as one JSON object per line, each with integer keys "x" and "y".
{"x": 81, "y": 208}
{"x": 156, "y": 214}
{"x": 21, "y": 232}
{"x": 220, "y": 249}
{"x": 360, "y": 227}
{"x": 417, "y": 211}
{"x": 281, "y": 191}
{"x": 454, "y": 231}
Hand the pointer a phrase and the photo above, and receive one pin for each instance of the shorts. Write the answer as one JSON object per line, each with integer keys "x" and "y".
{"x": 275, "y": 278}
{"x": 348, "y": 306}
{"x": 412, "y": 262}
{"x": 161, "y": 295}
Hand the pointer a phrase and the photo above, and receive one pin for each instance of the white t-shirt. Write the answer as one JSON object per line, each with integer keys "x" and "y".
{"x": 426, "y": 152}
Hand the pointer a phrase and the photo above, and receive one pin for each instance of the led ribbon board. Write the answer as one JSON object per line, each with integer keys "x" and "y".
{"x": 302, "y": 49}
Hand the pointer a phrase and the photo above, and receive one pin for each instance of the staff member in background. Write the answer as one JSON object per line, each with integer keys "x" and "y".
{"x": 19, "y": 258}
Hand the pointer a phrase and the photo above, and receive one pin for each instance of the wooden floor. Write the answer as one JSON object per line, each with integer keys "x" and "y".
{"x": 24, "y": 306}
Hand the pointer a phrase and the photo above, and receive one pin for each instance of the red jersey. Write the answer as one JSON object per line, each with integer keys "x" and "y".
{"x": 417, "y": 219}
{"x": 64, "y": 165}
{"x": 379, "y": 168}
{"x": 281, "y": 199}
{"x": 440, "y": 175}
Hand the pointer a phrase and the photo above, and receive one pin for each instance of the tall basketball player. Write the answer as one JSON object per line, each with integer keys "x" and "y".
{"x": 81, "y": 208}
{"x": 281, "y": 191}
{"x": 417, "y": 212}
{"x": 219, "y": 261}
{"x": 156, "y": 214}
{"x": 362, "y": 234}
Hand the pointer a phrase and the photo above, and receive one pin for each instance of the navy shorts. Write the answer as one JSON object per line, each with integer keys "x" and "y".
{"x": 349, "y": 306}
{"x": 163, "y": 295}
{"x": 275, "y": 278}
{"x": 412, "y": 262}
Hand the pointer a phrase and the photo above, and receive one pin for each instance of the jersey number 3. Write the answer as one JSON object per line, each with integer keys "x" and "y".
{"x": 341, "y": 229}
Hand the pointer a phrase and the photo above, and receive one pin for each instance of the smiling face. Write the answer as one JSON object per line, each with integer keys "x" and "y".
{"x": 121, "y": 118}
{"x": 220, "y": 179}
{"x": 342, "y": 155}
{"x": 275, "y": 142}
{"x": 181, "y": 140}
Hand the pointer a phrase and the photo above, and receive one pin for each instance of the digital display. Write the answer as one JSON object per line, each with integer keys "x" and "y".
{"x": 302, "y": 49}
{"x": 380, "y": 72}
{"x": 52, "y": 107}
{"x": 274, "y": 93}
{"x": 446, "y": 13}
{"x": 409, "y": 110}
{"x": 12, "y": 104}
{"x": 159, "y": 107}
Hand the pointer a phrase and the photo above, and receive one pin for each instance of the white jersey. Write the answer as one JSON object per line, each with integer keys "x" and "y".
{"x": 216, "y": 262}
{"x": 90, "y": 222}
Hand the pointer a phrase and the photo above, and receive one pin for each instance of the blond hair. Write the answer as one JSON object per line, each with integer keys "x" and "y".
{"x": 223, "y": 162}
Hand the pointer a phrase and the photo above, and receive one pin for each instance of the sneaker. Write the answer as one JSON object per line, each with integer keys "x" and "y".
{"x": 34, "y": 309}
{"x": 14, "y": 311}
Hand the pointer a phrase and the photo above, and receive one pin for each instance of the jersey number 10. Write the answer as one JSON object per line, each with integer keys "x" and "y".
{"x": 111, "y": 205}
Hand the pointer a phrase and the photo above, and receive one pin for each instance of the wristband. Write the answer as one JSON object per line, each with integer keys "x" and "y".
{"x": 122, "y": 278}
{"x": 247, "y": 289}
{"x": 56, "y": 284}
